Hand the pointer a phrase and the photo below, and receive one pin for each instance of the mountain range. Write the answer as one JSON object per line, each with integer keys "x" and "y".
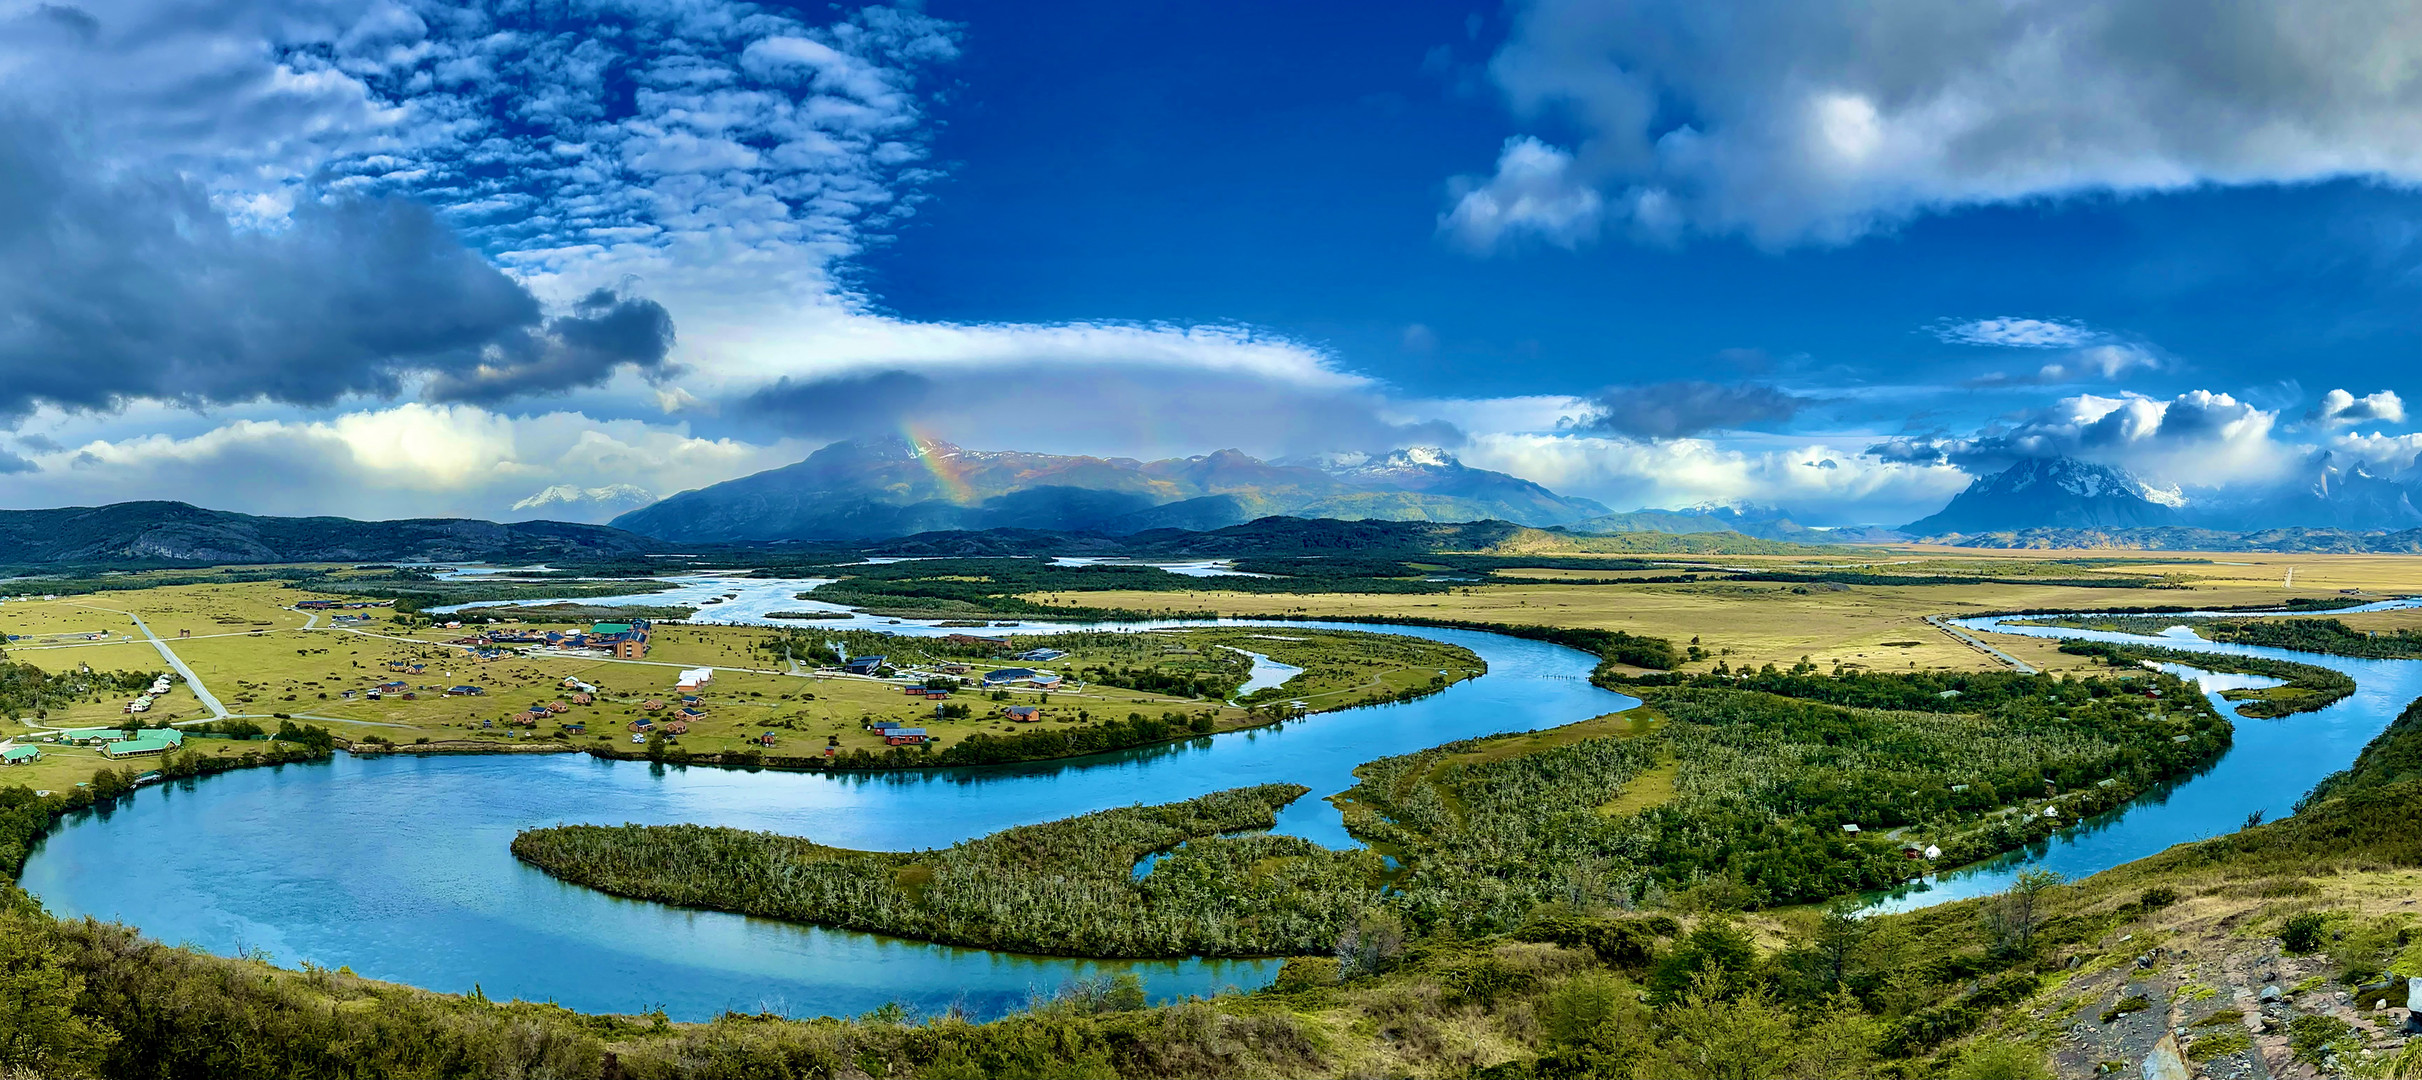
{"x": 180, "y": 533}
{"x": 2046, "y": 498}
{"x": 886, "y": 487}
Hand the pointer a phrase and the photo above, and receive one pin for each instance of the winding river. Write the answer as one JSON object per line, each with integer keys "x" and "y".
{"x": 398, "y": 867}
{"x": 2269, "y": 764}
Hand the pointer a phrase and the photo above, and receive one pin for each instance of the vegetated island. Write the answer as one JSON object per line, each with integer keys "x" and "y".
{"x": 1748, "y": 790}
{"x": 2302, "y": 634}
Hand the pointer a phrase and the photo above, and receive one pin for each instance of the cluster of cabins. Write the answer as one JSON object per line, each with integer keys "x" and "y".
{"x": 1018, "y": 676}
{"x": 623, "y": 641}
{"x": 396, "y": 688}
{"x": 143, "y": 702}
{"x": 687, "y": 709}
{"x": 896, "y": 733}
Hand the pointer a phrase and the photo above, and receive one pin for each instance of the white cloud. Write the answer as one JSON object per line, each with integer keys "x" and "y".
{"x": 2197, "y": 439}
{"x": 1823, "y": 120}
{"x": 1626, "y": 473}
{"x": 2383, "y": 453}
{"x": 2339, "y": 408}
{"x": 2113, "y": 361}
{"x": 2017, "y": 333}
{"x": 1534, "y": 193}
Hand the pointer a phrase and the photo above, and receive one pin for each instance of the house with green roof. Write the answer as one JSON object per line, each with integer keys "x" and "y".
{"x": 154, "y": 741}
{"x": 20, "y": 755}
{"x": 86, "y": 736}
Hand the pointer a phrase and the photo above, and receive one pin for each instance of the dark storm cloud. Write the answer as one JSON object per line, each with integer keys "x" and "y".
{"x": 604, "y": 332}
{"x": 1673, "y": 410}
{"x": 840, "y": 406}
{"x": 118, "y": 285}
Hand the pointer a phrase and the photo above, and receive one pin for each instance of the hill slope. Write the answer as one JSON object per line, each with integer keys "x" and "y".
{"x": 175, "y": 532}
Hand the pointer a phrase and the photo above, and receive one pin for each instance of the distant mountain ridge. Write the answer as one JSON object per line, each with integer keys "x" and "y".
{"x": 1762, "y": 522}
{"x": 888, "y": 487}
{"x": 175, "y": 532}
{"x": 2040, "y": 493}
{"x": 2041, "y": 497}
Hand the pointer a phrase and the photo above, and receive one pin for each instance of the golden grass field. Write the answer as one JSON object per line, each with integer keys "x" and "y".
{"x": 262, "y": 662}
{"x": 254, "y": 652}
{"x": 1870, "y": 625}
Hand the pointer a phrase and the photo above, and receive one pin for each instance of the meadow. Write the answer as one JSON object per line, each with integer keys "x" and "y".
{"x": 266, "y": 661}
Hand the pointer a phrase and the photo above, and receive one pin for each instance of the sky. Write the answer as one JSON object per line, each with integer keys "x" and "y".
{"x": 389, "y": 259}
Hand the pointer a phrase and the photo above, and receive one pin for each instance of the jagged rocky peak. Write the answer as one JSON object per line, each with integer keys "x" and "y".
{"x": 2054, "y": 492}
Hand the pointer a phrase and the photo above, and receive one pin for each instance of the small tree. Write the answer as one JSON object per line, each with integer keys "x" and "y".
{"x": 2019, "y": 914}
{"x": 1839, "y": 932}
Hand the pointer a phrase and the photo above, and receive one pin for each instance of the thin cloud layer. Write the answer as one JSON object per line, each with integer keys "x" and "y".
{"x": 2017, "y": 333}
{"x": 1673, "y": 410}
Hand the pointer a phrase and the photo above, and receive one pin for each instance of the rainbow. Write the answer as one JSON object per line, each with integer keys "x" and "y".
{"x": 947, "y": 471}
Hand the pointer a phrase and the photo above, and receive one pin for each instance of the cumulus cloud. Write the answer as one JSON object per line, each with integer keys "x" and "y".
{"x": 1821, "y": 121}
{"x": 13, "y": 463}
{"x": 1672, "y": 410}
{"x": 2199, "y": 438}
{"x": 1628, "y": 473}
{"x": 1534, "y": 193}
{"x": 2339, "y": 408}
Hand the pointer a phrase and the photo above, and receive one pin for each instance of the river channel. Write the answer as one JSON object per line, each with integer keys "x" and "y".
{"x": 399, "y": 868}
{"x": 2269, "y": 764}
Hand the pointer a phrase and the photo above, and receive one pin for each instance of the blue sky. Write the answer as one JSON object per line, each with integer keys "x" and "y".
{"x": 388, "y": 257}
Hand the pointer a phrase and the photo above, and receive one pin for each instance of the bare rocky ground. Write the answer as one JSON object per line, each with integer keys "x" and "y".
{"x": 2210, "y": 976}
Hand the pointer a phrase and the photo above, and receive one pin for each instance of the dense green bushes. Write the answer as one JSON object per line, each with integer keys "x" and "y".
{"x": 1065, "y": 887}
{"x": 2393, "y": 757}
{"x": 1762, "y": 786}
